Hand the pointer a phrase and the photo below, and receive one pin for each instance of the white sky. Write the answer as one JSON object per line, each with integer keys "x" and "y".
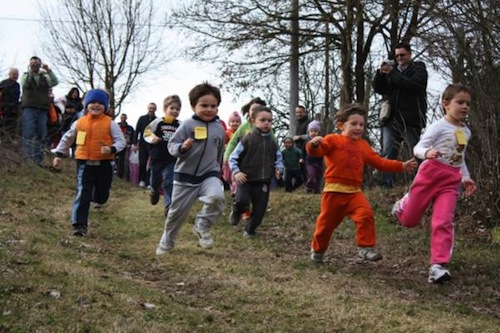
{"x": 19, "y": 38}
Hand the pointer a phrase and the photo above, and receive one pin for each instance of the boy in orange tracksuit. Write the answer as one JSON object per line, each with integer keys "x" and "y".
{"x": 345, "y": 156}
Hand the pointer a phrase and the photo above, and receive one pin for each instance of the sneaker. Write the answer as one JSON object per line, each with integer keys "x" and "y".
{"x": 397, "y": 207}
{"x": 142, "y": 184}
{"x": 205, "y": 239}
{"x": 369, "y": 253}
{"x": 246, "y": 215}
{"x": 80, "y": 232}
{"x": 246, "y": 234}
{"x": 316, "y": 257}
{"x": 234, "y": 219}
{"x": 161, "y": 250}
{"x": 438, "y": 274}
{"x": 154, "y": 197}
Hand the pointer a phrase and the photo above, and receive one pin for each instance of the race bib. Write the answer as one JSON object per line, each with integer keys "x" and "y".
{"x": 200, "y": 133}
{"x": 80, "y": 137}
{"x": 461, "y": 140}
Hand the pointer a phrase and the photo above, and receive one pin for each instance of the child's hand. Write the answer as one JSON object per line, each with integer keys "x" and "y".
{"x": 106, "y": 150}
{"x": 240, "y": 178}
{"x": 186, "y": 145}
{"x": 432, "y": 153}
{"x": 155, "y": 140}
{"x": 315, "y": 142}
{"x": 410, "y": 165}
{"x": 301, "y": 161}
{"x": 470, "y": 186}
{"x": 277, "y": 174}
{"x": 56, "y": 163}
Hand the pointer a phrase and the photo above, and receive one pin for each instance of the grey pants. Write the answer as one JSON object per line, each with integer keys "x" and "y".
{"x": 210, "y": 192}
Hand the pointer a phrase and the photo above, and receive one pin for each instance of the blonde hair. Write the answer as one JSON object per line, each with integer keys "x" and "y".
{"x": 170, "y": 100}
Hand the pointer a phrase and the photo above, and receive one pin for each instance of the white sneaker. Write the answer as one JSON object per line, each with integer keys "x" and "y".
{"x": 369, "y": 253}
{"x": 438, "y": 274}
{"x": 316, "y": 257}
{"x": 205, "y": 239}
{"x": 398, "y": 205}
{"x": 142, "y": 184}
{"x": 161, "y": 250}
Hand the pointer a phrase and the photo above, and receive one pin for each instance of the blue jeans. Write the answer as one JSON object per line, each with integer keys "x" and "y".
{"x": 397, "y": 139}
{"x": 34, "y": 133}
{"x": 162, "y": 174}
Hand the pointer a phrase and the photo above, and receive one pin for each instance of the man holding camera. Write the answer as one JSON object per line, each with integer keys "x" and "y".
{"x": 404, "y": 85}
{"x": 35, "y": 100}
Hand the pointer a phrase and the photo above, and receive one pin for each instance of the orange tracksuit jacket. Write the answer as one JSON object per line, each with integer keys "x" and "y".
{"x": 345, "y": 159}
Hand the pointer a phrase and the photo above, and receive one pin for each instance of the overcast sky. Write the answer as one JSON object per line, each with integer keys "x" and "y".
{"x": 19, "y": 35}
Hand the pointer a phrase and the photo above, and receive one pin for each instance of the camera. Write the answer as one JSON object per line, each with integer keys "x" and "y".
{"x": 389, "y": 62}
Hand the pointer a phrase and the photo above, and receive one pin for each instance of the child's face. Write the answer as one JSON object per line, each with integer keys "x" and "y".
{"x": 234, "y": 124}
{"x": 251, "y": 109}
{"x": 313, "y": 133}
{"x": 95, "y": 108}
{"x": 206, "y": 107}
{"x": 288, "y": 144}
{"x": 353, "y": 127}
{"x": 458, "y": 108}
{"x": 263, "y": 121}
{"x": 172, "y": 110}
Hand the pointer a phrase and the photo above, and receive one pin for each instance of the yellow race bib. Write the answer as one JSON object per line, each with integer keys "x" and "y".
{"x": 460, "y": 135}
{"x": 80, "y": 137}
{"x": 200, "y": 133}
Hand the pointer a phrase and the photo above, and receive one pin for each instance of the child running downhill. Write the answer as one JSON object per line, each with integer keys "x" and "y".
{"x": 439, "y": 177}
{"x": 198, "y": 145}
{"x": 345, "y": 156}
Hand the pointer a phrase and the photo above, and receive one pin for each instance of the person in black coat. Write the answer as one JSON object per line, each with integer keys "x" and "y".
{"x": 404, "y": 85}
{"x": 141, "y": 145}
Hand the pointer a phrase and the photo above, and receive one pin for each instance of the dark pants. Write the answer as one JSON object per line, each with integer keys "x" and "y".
{"x": 93, "y": 183}
{"x": 314, "y": 176}
{"x": 256, "y": 193}
{"x": 122, "y": 164}
{"x": 290, "y": 175}
{"x": 397, "y": 139}
{"x": 162, "y": 178}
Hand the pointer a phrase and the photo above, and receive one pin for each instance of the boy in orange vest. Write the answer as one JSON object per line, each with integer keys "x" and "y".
{"x": 98, "y": 138}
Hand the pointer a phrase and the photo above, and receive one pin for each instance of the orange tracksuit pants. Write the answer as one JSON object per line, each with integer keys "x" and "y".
{"x": 334, "y": 207}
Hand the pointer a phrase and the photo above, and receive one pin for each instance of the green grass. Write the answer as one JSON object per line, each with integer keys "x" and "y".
{"x": 111, "y": 281}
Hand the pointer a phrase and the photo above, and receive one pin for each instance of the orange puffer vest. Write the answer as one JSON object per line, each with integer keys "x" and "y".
{"x": 97, "y": 131}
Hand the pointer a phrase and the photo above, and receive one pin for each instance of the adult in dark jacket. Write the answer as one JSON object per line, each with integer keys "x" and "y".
{"x": 35, "y": 100}
{"x": 141, "y": 145}
{"x": 122, "y": 163}
{"x": 404, "y": 85}
{"x": 10, "y": 102}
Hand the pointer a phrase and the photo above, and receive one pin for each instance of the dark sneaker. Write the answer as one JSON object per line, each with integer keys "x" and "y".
{"x": 438, "y": 274}
{"x": 80, "y": 232}
{"x": 154, "y": 197}
{"x": 234, "y": 219}
{"x": 246, "y": 234}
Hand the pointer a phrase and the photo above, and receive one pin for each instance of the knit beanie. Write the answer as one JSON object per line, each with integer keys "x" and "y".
{"x": 314, "y": 125}
{"x": 96, "y": 95}
{"x": 234, "y": 116}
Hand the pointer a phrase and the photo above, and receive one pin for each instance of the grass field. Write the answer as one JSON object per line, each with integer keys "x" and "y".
{"x": 111, "y": 281}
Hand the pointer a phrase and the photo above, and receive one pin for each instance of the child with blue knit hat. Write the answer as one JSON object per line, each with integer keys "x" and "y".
{"x": 314, "y": 165}
{"x": 98, "y": 138}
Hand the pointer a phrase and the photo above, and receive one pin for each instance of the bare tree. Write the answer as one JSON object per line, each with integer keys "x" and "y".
{"x": 104, "y": 43}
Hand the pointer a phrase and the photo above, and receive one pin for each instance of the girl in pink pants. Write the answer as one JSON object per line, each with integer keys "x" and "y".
{"x": 439, "y": 178}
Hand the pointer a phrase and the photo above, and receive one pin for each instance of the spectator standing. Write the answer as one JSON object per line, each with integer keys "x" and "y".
{"x": 234, "y": 123}
{"x": 301, "y": 135}
{"x": 314, "y": 165}
{"x": 158, "y": 133}
{"x": 98, "y": 139}
{"x": 292, "y": 160}
{"x": 254, "y": 163}
{"x": 35, "y": 101}
{"x": 198, "y": 145}
{"x": 141, "y": 145}
{"x": 122, "y": 158}
{"x": 404, "y": 85}
{"x": 9, "y": 114}
{"x": 72, "y": 106}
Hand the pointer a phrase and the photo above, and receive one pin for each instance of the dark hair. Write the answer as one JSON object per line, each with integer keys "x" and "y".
{"x": 35, "y": 58}
{"x": 259, "y": 109}
{"x": 301, "y": 107}
{"x": 71, "y": 92}
{"x": 348, "y": 110}
{"x": 246, "y": 108}
{"x": 454, "y": 89}
{"x": 403, "y": 45}
{"x": 201, "y": 90}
